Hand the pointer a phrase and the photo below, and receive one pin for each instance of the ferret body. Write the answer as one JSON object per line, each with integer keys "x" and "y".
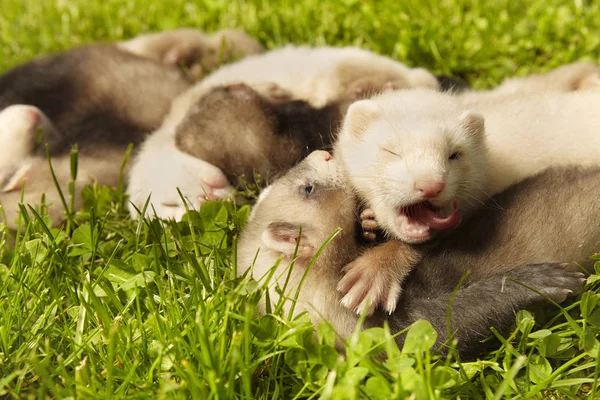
{"x": 98, "y": 97}
{"x": 313, "y": 196}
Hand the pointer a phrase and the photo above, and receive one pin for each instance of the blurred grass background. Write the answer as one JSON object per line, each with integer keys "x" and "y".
{"x": 480, "y": 41}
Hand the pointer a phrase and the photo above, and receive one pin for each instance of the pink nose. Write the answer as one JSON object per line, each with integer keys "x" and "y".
{"x": 323, "y": 154}
{"x": 429, "y": 189}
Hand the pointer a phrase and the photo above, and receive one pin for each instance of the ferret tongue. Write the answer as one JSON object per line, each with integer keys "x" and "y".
{"x": 427, "y": 215}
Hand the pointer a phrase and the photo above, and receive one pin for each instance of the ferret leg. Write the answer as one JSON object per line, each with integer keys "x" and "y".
{"x": 374, "y": 279}
{"x": 161, "y": 169}
{"x": 488, "y": 302}
{"x": 20, "y": 126}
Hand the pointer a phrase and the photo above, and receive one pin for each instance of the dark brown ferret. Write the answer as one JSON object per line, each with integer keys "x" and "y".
{"x": 95, "y": 94}
{"x": 244, "y": 133}
{"x": 100, "y": 97}
{"x": 496, "y": 246}
{"x": 116, "y": 93}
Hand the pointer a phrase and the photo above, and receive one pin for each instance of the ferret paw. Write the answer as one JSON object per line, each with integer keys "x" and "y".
{"x": 369, "y": 225}
{"x": 367, "y": 87}
{"x": 551, "y": 280}
{"x": 367, "y": 286}
{"x": 159, "y": 178}
{"x": 19, "y": 125}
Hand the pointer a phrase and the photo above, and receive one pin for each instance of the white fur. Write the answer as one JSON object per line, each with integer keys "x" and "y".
{"x": 18, "y": 127}
{"x": 160, "y": 169}
{"x": 524, "y": 134}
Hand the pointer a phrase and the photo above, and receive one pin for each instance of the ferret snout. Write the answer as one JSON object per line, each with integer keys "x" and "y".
{"x": 320, "y": 155}
{"x": 429, "y": 188}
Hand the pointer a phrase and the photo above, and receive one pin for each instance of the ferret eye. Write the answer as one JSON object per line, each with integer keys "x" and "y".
{"x": 308, "y": 189}
{"x": 454, "y": 156}
{"x": 391, "y": 152}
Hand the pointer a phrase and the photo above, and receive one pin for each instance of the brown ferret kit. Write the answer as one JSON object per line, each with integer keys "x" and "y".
{"x": 305, "y": 206}
{"x": 243, "y": 133}
{"x": 197, "y": 51}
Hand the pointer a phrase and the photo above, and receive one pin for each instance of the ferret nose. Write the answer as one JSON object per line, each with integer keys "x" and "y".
{"x": 324, "y": 154}
{"x": 429, "y": 189}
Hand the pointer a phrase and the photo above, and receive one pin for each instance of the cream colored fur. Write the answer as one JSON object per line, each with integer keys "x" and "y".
{"x": 406, "y": 135}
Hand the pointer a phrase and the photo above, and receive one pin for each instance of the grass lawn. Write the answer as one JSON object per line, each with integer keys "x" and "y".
{"x": 110, "y": 307}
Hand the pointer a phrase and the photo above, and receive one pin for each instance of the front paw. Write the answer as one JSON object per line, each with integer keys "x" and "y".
{"x": 551, "y": 280}
{"x": 369, "y": 225}
{"x": 368, "y": 285}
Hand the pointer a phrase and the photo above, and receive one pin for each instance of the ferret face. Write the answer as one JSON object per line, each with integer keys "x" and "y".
{"x": 310, "y": 196}
{"x": 414, "y": 160}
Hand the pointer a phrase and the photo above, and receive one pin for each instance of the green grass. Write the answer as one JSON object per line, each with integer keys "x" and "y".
{"x": 110, "y": 307}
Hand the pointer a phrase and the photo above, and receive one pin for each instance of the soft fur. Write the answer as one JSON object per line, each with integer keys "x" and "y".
{"x": 197, "y": 51}
{"x": 476, "y": 144}
{"x": 488, "y": 298}
{"x": 100, "y": 97}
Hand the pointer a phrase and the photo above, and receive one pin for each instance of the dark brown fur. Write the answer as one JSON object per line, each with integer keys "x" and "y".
{"x": 95, "y": 94}
{"x": 243, "y": 133}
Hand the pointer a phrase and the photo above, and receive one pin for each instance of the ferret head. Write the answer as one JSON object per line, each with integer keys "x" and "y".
{"x": 302, "y": 208}
{"x": 292, "y": 220}
{"x": 416, "y": 158}
{"x": 242, "y": 131}
{"x": 225, "y": 109}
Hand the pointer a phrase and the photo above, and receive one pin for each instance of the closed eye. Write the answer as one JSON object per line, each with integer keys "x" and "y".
{"x": 390, "y": 151}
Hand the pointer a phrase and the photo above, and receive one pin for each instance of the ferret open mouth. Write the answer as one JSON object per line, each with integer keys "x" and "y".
{"x": 417, "y": 221}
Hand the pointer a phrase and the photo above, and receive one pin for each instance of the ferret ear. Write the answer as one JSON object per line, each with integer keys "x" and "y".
{"x": 473, "y": 122}
{"x": 360, "y": 114}
{"x": 16, "y": 180}
{"x": 283, "y": 236}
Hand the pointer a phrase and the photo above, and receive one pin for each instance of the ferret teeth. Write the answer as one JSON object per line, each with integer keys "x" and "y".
{"x": 417, "y": 230}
